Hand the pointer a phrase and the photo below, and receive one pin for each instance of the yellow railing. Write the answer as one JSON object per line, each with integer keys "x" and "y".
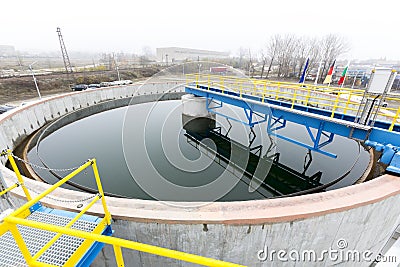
{"x": 18, "y": 217}
{"x": 119, "y": 243}
{"x": 335, "y": 99}
{"x": 5, "y": 191}
{"x": 18, "y": 174}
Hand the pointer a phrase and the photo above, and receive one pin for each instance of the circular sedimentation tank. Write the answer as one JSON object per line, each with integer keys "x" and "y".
{"x": 172, "y": 148}
{"x": 200, "y": 183}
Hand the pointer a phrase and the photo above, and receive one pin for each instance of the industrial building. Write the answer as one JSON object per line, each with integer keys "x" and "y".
{"x": 172, "y": 54}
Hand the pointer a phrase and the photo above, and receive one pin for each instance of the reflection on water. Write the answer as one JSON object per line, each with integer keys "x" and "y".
{"x": 192, "y": 158}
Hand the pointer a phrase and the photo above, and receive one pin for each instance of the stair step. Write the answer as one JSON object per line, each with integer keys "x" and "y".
{"x": 35, "y": 239}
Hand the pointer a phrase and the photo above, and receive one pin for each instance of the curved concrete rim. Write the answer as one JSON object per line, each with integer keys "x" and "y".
{"x": 21, "y": 122}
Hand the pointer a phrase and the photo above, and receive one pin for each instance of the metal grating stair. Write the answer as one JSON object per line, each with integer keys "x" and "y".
{"x": 35, "y": 239}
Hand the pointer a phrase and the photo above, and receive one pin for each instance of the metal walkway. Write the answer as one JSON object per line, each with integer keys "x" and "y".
{"x": 60, "y": 252}
{"x": 295, "y": 103}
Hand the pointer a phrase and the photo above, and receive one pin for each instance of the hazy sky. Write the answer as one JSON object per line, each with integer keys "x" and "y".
{"x": 371, "y": 27}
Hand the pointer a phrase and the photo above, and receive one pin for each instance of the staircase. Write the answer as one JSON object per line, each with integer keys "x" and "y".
{"x": 62, "y": 250}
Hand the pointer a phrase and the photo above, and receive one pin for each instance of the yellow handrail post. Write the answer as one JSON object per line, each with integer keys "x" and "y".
{"x": 118, "y": 256}
{"x": 18, "y": 174}
{"x": 294, "y": 97}
{"x": 20, "y": 242}
{"x": 335, "y": 105}
{"x": 277, "y": 91}
{"x": 101, "y": 192}
{"x": 308, "y": 95}
{"x": 394, "y": 119}
{"x": 347, "y": 103}
{"x": 264, "y": 91}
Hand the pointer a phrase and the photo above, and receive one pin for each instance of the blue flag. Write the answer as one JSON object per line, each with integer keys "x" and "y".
{"x": 303, "y": 76}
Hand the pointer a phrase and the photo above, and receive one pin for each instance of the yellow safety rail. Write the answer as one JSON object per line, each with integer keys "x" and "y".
{"x": 18, "y": 174}
{"x": 335, "y": 99}
{"x": 5, "y": 191}
{"x": 18, "y": 217}
{"x": 119, "y": 243}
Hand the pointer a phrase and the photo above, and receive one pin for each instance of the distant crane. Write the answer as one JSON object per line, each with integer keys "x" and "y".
{"x": 67, "y": 63}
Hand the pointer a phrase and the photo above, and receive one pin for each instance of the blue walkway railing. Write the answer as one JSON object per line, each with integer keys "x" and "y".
{"x": 384, "y": 136}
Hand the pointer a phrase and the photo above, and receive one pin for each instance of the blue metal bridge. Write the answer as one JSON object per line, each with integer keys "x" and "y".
{"x": 263, "y": 104}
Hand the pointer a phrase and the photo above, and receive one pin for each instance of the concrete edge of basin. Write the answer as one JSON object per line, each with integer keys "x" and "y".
{"x": 240, "y": 213}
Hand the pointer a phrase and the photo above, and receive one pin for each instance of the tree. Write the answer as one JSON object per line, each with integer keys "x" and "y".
{"x": 272, "y": 50}
{"x": 332, "y": 46}
{"x": 263, "y": 58}
{"x": 242, "y": 55}
{"x": 314, "y": 53}
{"x": 302, "y": 53}
{"x": 250, "y": 65}
{"x": 285, "y": 54}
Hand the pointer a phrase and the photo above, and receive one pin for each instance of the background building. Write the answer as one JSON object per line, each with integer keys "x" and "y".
{"x": 172, "y": 54}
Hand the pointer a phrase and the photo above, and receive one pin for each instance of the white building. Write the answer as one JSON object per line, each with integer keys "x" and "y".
{"x": 172, "y": 54}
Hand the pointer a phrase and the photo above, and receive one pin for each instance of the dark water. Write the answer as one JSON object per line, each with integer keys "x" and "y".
{"x": 144, "y": 152}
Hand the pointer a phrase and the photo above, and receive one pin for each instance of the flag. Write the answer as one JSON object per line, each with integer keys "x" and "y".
{"x": 328, "y": 78}
{"x": 341, "y": 80}
{"x": 303, "y": 76}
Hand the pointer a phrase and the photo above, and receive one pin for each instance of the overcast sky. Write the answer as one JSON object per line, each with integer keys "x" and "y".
{"x": 371, "y": 27}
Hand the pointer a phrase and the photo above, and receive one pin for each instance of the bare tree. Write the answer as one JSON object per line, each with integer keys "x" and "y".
{"x": 285, "y": 54}
{"x": 272, "y": 50}
{"x": 250, "y": 65}
{"x": 314, "y": 55}
{"x": 332, "y": 46}
{"x": 263, "y": 59}
{"x": 242, "y": 55}
{"x": 302, "y": 53}
{"x": 290, "y": 53}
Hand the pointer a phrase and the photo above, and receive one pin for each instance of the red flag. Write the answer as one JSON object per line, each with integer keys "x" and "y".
{"x": 328, "y": 78}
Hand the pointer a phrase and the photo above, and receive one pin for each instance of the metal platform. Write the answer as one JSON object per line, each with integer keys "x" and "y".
{"x": 60, "y": 252}
{"x": 320, "y": 124}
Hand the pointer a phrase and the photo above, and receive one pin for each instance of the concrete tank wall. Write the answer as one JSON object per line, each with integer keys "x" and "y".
{"x": 364, "y": 215}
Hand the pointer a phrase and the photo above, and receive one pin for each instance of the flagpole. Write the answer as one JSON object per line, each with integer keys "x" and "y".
{"x": 303, "y": 75}
{"x": 345, "y": 75}
{"x": 305, "y": 68}
{"x": 355, "y": 78}
{"x": 319, "y": 69}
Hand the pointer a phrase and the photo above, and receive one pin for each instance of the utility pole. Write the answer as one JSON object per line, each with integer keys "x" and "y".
{"x": 34, "y": 80}
{"x": 116, "y": 67}
{"x": 67, "y": 63}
